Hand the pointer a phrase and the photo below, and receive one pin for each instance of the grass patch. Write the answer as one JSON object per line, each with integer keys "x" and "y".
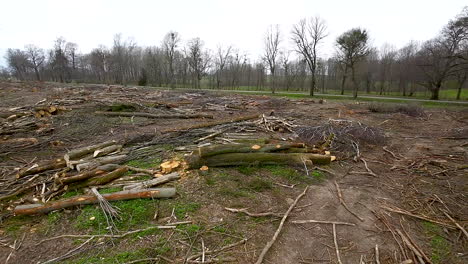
{"x": 109, "y": 258}
{"x": 439, "y": 245}
{"x": 182, "y": 209}
{"x": 259, "y": 184}
{"x": 72, "y": 193}
{"x": 110, "y": 190}
{"x": 233, "y": 192}
{"x": 190, "y": 229}
{"x": 287, "y": 173}
{"x": 134, "y": 213}
{"x": 318, "y": 175}
{"x": 54, "y": 217}
{"x": 122, "y": 108}
{"x": 247, "y": 170}
{"x": 410, "y": 109}
{"x": 145, "y": 163}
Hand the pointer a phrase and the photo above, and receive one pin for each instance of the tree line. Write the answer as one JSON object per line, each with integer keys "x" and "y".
{"x": 356, "y": 66}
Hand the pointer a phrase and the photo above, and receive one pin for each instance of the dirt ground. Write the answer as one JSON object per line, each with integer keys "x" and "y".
{"x": 404, "y": 187}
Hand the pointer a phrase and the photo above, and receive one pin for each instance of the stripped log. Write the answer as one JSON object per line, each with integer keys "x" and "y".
{"x": 52, "y": 165}
{"x": 149, "y": 115}
{"x": 100, "y": 161}
{"x": 210, "y": 124}
{"x": 30, "y": 209}
{"x": 102, "y": 179}
{"x": 239, "y": 159}
{"x": 153, "y": 182}
{"x": 88, "y": 174}
{"x": 107, "y": 150}
{"x": 80, "y": 152}
{"x": 244, "y": 148}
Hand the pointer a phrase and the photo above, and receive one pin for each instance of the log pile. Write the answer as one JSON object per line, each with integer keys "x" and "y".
{"x": 47, "y": 111}
{"x": 257, "y": 154}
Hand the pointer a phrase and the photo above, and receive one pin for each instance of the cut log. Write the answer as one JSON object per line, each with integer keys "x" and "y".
{"x": 106, "y": 150}
{"x": 149, "y": 115}
{"x": 19, "y": 141}
{"x": 154, "y": 182}
{"x": 216, "y": 123}
{"x": 244, "y": 148}
{"x": 88, "y": 174}
{"x": 31, "y": 209}
{"x": 100, "y": 161}
{"x": 52, "y": 165}
{"x": 80, "y": 152}
{"x": 238, "y": 159}
{"x": 102, "y": 179}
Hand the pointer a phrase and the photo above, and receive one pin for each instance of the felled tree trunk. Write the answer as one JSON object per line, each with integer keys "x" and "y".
{"x": 52, "y": 165}
{"x": 101, "y": 180}
{"x": 80, "y": 152}
{"x": 210, "y": 124}
{"x": 238, "y": 159}
{"x": 106, "y": 150}
{"x": 100, "y": 161}
{"x": 30, "y": 209}
{"x": 150, "y": 183}
{"x": 88, "y": 174}
{"x": 245, "y": 148}
{"x": 149, "y": 115}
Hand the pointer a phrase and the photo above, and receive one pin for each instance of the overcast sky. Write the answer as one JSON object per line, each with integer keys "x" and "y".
{"x": 241, "y": 23}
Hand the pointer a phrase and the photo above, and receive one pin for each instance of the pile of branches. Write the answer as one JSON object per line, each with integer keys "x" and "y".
{"x": 413, "y": 110}
{"x": 83, "y": 168}
{"x": 341, "y": 135}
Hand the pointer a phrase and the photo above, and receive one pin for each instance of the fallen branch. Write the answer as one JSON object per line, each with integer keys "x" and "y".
{"x": 422, "y": 217}
{"x": 169, "y": 226}
{"x": 101, "y": 180}
{"x": 69, "y": 253}
{"x": 91, "y": 199}
{"x": 244, "y": 148}
{"x": 244, "y": 211}
{"x": 52, "y": 165}
{"x": 88, "y": 174}
{"x": 340, "y": 197}
{"x": 419, "y": 254}
{"x": 149, "y": 115}
{"x": 457, "y": 224}
{"x": 336, "y": 245}
{"x": 100, "y": 161}
{"x": 212, "y": 252}
{"x": 321, "y": 222}
{"x": 146, "y": 171}
{"x": 153, "y": 182}
{"x": 210, "y": 124}
{"x": 210, "y": 136}
{"x": 107, "y": 150}
{"x": 280, "y": 227}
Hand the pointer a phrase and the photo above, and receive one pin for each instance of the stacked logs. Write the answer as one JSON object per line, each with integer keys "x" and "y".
{"x": 46, "y": 111}
{"x": 255, "y": 154}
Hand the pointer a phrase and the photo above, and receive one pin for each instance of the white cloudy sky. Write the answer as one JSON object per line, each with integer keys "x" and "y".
{"x": 241, "y": 23}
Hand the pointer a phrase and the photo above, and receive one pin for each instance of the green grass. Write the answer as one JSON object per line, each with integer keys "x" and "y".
{"x": 247, "y": 170}
{"x": 181, "y": 209}
{"x": 318, "y": 175}
{"x": 191, "y": 229}
{"x": 72, "y": 193}
{"x": 145, "y": 163}
{"x": 287, "y": 173}
{"x": 110, "y": 190}
{"x": 134, "y": 213}
{"x": 233, "y": 192}
{"x": 54, "y": 217}
{"x": 259, "y": 184}
{"x": 110, "y": 258}
{"x": 440, "y": 247}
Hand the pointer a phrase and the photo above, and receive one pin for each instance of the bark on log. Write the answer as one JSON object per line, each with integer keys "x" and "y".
{"x": 88, "y": 174}
{"x": 100, "y": 161}
{"x": 244, "y": 148}
{"x": 149, "y": 115}
{"x": 210, "y": 124}
{"x": 106, "y": 150}
{"x": 237, "y": 159}
{"x": 52, "y": 165}
{"x": 150, "y": 183}
{"x": 80, "y": 152}
{"x": 101, "y": 180}
{"x": 30, "y": 209}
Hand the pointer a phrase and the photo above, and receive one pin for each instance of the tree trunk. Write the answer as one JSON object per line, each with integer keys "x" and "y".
{"x": 239, "y": 159}
{"x": 356, "y": 87}
{"x": 80, "y": 152}
{"x": 435, "y": 91}
{"x": 312, "y": 84}
{"x": 88, "y": 174}
{"x": 102, "y": 179}
{"x": 460, "y": 86}
{"x": 244, "y": 148}
{"x": 30, "y": 209}
{"x": 343, "y": 81}
{"x": 55, "y": 164}
{"x": 150, "y": 183}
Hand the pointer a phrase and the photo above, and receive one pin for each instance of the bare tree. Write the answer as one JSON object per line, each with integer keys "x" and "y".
{"x": 18, "y": 63}
{"x": 271, "y": 43}
{"x": 36, "y": 58}
{"x": 307, "y": 35}
{"x": 388, "y": 55}
{"x": 353, "y": 47}
{"x": 222, "y": 57}
{"x": 170, "y": 44}
{"x": 199, "y": 60}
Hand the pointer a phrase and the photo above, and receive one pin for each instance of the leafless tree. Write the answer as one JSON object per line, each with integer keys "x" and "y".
{"x": 353, "y": 47}
{"x": 18, "y": 63}
{"x": 170, "y": 44}
{"x": 222, "y": 57}
{"x": 36, "y": 58}
{"x": 271, "y": 46}
{"x": 199, "y": 60}
{"x": 307, "y": 35}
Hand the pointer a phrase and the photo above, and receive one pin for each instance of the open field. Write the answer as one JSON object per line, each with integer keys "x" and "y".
{"x": 398, "y": 183}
